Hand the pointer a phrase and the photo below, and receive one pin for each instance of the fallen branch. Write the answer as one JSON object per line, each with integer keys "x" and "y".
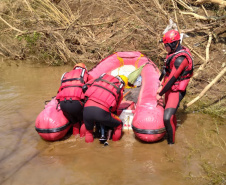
{"x": 191, "y": 49}
{"x": 207, "y": 15}
{"x": 208, "y": 47}
{"x": 200, "y": 17}
{"x": 97, "y": 24}
{"x": 10, "y": 25}
{"x": 206, "y": 88}
{"x": 175, "y": 13}
{"x": 160, "y": 8}
{"x": 141, "y": 20}
{"x": 65, "y": 28}
{"x": 29, "y": 6}
{"x": 202, "y": 27}
{"x": 182, "y": 3}
{"x": 49, "y": 9}
{"x": 207, "y": 56}
{"x": 6, "y": 52}
{"x": 119, "y": 30}
{"x": 113, "y": 48}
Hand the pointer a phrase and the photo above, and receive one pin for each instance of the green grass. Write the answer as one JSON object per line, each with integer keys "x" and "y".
{"x": 212, "y": 174}
{"x": 212, "y": 107}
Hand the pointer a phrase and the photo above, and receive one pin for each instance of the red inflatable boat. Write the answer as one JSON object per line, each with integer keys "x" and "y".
{"x": 144, "y": 116}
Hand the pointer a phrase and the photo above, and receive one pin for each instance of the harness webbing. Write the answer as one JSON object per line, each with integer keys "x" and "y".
{"x": 110, "y": 83}
{"x": 184, "y": 73}
{"x": 106, "y": 81}
{"x": 72, "y": 86}
{"x": 81, "y": 79}
{"x": 72, "y": 79}
{"x": 105, "y": 89}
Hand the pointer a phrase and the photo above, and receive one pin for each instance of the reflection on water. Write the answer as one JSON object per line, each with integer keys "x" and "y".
{"x": 27, "y": 159}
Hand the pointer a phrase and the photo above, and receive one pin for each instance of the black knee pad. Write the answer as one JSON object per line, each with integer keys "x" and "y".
{"x": 168, "y": 114}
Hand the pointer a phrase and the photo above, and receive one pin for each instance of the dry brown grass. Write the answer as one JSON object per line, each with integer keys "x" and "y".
{"x": 64, "y": 31}
{"x": 74, "y": 31}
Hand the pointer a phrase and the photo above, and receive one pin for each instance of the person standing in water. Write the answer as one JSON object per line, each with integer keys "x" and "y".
{"x": 176, "y": 75}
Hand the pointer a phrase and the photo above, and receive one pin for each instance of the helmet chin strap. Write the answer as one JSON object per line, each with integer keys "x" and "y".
{"x": 174, "y": 48}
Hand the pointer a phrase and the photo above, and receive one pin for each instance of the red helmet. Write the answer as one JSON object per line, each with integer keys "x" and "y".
{"x": 80, "y": 65}
{"x": 171, "y": 36}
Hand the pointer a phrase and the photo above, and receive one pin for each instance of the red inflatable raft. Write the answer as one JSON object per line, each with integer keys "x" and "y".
{"x": 147, "y": 122}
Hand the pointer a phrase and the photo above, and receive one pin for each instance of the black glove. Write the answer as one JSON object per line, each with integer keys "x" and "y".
{"x": 84, "y": 88}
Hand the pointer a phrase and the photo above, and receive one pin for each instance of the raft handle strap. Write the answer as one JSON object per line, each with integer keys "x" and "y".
{"x": 120, "y": 60}
{"x": 47, "y": 101}
{"x": 136, "y": 63}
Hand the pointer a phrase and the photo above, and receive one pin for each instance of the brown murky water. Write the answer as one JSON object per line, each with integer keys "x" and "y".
{"x": 198, "y": 157}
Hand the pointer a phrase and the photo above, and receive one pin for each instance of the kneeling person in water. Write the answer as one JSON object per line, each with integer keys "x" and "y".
{"x": 103, "y": 98}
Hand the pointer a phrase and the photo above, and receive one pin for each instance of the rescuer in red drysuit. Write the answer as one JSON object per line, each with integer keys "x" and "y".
{"x": 177, "y": 72}
{"x": 71, "y": 96}
{"x": 103, "y": 98}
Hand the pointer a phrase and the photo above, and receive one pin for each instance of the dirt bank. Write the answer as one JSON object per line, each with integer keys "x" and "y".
{"x": 61, "y": 32}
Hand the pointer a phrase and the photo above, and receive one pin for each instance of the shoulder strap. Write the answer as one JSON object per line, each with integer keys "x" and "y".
{"x": 81, "y": 79}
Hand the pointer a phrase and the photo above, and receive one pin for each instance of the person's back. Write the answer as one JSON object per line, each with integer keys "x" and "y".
{"x": 107, "y": 90}
{"x": 102, "y": 100}
{"x": 71, "y": 96}
{"x": 71, "y": 84}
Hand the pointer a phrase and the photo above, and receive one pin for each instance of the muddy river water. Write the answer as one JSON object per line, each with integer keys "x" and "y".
{"x": 197, "y": 157}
